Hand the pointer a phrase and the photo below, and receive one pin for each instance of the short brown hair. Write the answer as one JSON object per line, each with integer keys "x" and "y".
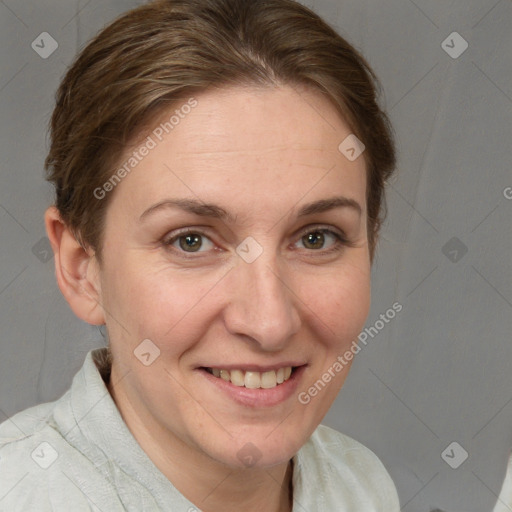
{"x": 159, "y": 53}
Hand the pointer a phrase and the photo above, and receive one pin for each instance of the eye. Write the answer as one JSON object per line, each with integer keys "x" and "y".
{"x": 189, "y": 241}
{"x": 316, "y": 240}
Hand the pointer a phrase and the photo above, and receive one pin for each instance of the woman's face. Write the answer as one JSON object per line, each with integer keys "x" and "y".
{"x": 246, "y": 275}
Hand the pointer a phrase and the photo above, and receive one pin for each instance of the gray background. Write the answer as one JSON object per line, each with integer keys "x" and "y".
{"x": 439, "y": 371}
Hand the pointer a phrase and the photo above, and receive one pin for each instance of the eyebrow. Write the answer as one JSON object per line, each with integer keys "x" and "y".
{"x": 214, "y": 211}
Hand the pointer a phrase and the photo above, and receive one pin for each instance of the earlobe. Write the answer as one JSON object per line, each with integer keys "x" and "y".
{"x": 76, "y": 270}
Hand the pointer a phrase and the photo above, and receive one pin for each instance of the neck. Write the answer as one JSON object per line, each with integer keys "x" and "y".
{"x": 209, "y": 484}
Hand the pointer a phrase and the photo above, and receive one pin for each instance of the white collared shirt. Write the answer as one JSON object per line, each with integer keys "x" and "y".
{"x": 504, "y": 503}
{"x": 77, "y": 454}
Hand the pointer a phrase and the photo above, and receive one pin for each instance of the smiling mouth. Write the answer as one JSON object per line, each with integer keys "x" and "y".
{"x": 253, "y": 380}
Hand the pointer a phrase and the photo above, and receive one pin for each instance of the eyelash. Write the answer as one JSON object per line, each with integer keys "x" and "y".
{"x": 341, "y": 241}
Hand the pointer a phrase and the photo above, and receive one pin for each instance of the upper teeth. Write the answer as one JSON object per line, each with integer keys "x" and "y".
{"x": 254, "y": 380}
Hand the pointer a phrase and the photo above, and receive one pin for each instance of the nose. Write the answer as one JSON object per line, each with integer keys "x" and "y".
{"x": 262, "y": 304}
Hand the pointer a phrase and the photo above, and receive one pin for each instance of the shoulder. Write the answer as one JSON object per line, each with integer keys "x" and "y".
{"x": 504, "y": 502}
{"x": 39, "y": 469}
{"x": 29, "y": 449}
{"x": 353, "y": 470}
{"x": 25, "y": 423}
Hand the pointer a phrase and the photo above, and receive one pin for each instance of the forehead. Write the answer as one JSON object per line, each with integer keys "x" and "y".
{"x": 257, "y": 119}
{"x": 243, "y": 141}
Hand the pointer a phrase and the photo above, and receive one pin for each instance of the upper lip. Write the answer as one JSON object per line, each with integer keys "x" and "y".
{"x": 254, "y": 367}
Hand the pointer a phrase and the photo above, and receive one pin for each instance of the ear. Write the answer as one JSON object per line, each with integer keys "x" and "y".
{"x": 76, "y": 270}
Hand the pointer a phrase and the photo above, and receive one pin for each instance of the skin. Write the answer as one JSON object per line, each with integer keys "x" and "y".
{"x": 260, "y": 154}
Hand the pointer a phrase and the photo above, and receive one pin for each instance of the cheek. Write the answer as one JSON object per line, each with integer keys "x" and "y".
{"x": 156, "y": 303}
{"x": 163, "y": 304}
{"x": 340, "y": 303}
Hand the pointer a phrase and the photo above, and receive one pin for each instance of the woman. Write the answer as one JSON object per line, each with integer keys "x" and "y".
{"x": 219, "y": 169}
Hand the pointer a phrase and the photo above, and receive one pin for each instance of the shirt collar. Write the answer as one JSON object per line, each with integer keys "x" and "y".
{"x": 91, "y": 421}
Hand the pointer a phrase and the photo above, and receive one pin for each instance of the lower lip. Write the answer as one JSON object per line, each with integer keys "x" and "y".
{"x": 257, "y": 397}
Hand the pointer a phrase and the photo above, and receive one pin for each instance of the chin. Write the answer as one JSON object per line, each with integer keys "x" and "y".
{"x": 257, "y": 451}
